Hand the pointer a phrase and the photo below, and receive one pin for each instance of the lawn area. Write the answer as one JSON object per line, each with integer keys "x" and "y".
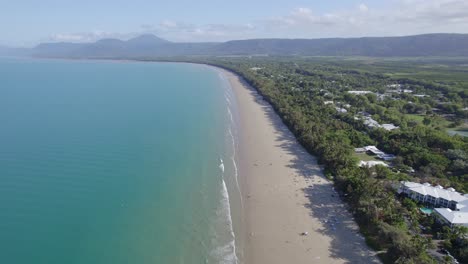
{"x": 437, "y": 122}
{"x": 364, "y": 157}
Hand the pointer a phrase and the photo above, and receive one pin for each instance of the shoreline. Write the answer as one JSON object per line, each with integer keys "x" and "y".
{"x": 284, "y": 191}
{"x": 286, "y": 194}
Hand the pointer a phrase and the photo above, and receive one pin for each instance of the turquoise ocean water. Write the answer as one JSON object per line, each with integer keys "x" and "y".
{"x": 115, "y": 162}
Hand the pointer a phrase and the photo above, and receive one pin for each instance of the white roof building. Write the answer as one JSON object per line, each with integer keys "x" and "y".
{"x": 387, "y": 157}
{"x": 452, "y": 218}
{"x": 373, "y": 149}
{"x": 438, "y": 191}
{"x": 395, "y": 85}
{"x": 359, "y": 92}
{"x": 372, "y": 163}
{"x": 368, "y": 121}
{"x": 451, "y": 206}
{"x": 341, "y": 110}
{"x": 371, "y": 123}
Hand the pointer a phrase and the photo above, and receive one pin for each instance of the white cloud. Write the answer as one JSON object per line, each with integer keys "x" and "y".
{"x": 363, "y": 8}
{"x": 67, "y": 37}
{"x": 400, "y": 17}
{"x": 168, "y": 24}
{"x": 434, "y": 11}
{"x": 397, "y": 17}
{"x": 179, "y": 31}
{"x": 88, "y": 36}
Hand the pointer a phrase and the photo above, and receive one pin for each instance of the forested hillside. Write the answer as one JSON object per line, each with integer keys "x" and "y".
{"x": 152, "y": 46}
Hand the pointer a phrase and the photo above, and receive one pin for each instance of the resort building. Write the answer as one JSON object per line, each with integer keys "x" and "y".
{"x": 451, "y": 207}
{"x": 451, "y": 218}
{"x": 434, "y": 196}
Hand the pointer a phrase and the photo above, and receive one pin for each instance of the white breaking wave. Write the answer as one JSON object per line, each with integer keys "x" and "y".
{"x": 226, "y": 254}
{"x": 221, "y": 166}
{"x": 233, "y": 157}
{"x": 226, "y": 95}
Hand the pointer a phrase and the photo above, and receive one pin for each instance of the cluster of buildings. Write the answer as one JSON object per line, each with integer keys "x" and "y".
{"x": 341, "y": 110}
{"x": 450, "y": 206}
{"x": 374, "y": 151}
{"x": 371, "y": 123}
{"x": 391, "y": 90}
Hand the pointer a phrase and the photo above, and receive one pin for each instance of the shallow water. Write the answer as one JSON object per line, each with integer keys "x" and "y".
{"x": 114, "y": 162}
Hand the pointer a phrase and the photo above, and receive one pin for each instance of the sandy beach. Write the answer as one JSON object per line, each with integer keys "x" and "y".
{"x": 285, "y": 194}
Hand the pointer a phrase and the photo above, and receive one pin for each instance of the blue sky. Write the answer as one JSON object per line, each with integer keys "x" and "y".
{"x": 28, "y": 22}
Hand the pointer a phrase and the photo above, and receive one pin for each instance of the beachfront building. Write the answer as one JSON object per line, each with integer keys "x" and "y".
{"x": 450, "y": 217}
{"x": 434, "y": 196}
{"x": 450, "y": 206}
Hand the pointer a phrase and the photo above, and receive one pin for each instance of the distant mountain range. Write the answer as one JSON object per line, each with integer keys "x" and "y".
{"x": 150, "y": 46}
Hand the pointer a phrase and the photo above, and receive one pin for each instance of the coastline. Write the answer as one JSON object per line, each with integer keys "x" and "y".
{"x": 285, "y": 194}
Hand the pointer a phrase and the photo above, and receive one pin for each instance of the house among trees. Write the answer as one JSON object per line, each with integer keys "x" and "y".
{"x": 341, "y": 110}
{"x": 373, "y": 150}
{"x": 359, "y": 92}
{"x": 395, "y": 85}
{"x": 371, "y": 123}
{"x": 451, "y": 207}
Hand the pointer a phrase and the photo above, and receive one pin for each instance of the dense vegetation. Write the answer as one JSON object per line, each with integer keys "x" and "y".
{"x": 298, "y": 89}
